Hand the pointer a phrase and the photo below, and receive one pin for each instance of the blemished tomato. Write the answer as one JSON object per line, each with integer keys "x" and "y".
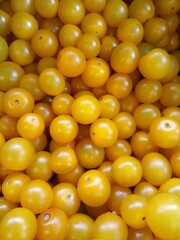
{"x": 93, "y": 188}
{"x": 163, "y": 215}
{"x": 19, "y": 223}
{"x": 110, "y": 226}
{"x": 17, "y": 154}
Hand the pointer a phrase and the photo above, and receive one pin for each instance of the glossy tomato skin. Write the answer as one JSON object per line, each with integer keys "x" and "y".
{"x": 19, "y": 223}
{"x": 52, "y": 223}
{"x": 110, "y": 226}
{"x": 165, "y": 132}
{"x": 163, "y": 214}
{"x": 93, "y": 188}
{"x": 22, "y": 151}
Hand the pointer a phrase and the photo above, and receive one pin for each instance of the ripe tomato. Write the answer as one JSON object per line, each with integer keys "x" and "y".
{"x": 30, "y": 82}
{"x": 40, "y": 168}
{"x": 96, "y": 72}
{"x": 66, "y": 198}
{"x": 6, "y": 206}
{"x": 93, "y": 188}
{"x": 80, "y": 227}
{"x": 44, "y": 39}
{"x": 30, "y": 126}
{"x": 125, "y": 57}
{"x": 103, "y": 132}
{"x": 110, "y": 106}
{"x": 142, "y": 10}
{"x": 5, "y": 23}
{"x": 63, "y": 160}
{"x": 141, "y": 234}
{"x": 94, "y": 23}
{"x": 71, "y": 62}
{"x": 119, "y": 84}
{"x": 62, "y": 103}
{"x": 133, "y": 211}
{"x": 165, "y": 132}
{"x": 117, "y": 194}
{"x": 119, "y": 148}
{"x": 156, "y": 168}
{"x": 37, "y": 195}
{"x": 12, "y": 186}
{"x": 123, "y": 165}
{"x": 171, "y": 186}
{"x": 63, "y": 129}
{"x": 52, "y": 224}
{"x": 175, "y": 161}
{"x": 110, "y": 226}
{"x": 72, "y": 11}
{"x": 69, "y": 35}
{"x": 89, "y": 44}
{"x": 145, "y": 189}
{"x": 114, "y": 12}
{"x": 10, "y": 75}
{"x": 155, "y": 64}
{"x": 85, "y": 109}
{"x": 3, "y": 49}
{"x": 17, "y": 102}
{"x": 51, "y": 81}
{"x": 17, "y": 154}
{"x": 131, "y": 30}
{"x": 88, "y": 154}
{"x": 46, "y": 9}
{"x": 163, "y": 215}
{"x": 19, "y": 223}
{"x": 125, "y": 124}
{"x": 23, "y": 29}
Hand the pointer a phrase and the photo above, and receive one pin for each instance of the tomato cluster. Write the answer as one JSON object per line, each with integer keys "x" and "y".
{"x": 89, "y": 120}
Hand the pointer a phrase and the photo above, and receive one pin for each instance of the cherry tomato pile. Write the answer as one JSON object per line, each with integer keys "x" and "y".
{"x": 89, "y": 120}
